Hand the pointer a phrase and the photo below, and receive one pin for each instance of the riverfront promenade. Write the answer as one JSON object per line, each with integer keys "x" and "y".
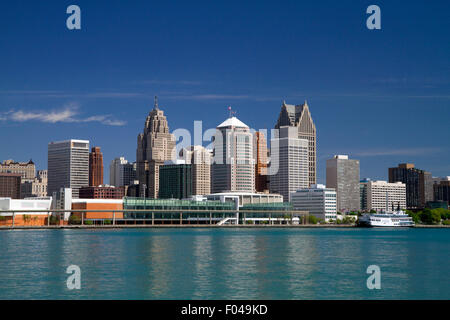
{"x": 203, "y": 226}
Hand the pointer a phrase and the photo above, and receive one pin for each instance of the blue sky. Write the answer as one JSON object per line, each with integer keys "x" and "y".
{"x": 381, "y": 96}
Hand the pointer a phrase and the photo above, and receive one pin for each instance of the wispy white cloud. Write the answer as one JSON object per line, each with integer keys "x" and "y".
{"x": 398, "y": 152}
{"x": 67, "y": 114}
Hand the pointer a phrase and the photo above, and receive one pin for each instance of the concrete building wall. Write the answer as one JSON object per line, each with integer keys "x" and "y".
{"x": 382, "y": 195}
{"x": 343, "y": 175}
{"x": 200, "y": 160}
{"x": 317, "y": 200}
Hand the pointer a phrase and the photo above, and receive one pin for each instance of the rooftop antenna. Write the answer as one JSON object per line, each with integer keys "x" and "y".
{"x": 156, "y": 103}
{"x": 232, "y": 112}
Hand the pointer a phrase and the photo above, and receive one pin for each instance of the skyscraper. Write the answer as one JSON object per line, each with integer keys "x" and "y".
{"x": 121, "y": 172}
{"x": 95, "y": 167}
{"x": 419, "y": 185}
{"x": 288, "y": 163}
{"x": 200, "y": 160}
{"x": 68, "y": 166}
{"x": 300, "y": 117}
{"x": 154, "y": 146}
{"x": 175, "y": 180}
{"x": 260, "y": 153}
{"x": 233, "y": 167}
{"x": 343, "y": 176}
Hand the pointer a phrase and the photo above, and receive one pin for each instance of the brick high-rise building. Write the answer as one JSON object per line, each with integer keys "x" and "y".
{"x": 419, "y": 185}
{"x": 95, "y": 167}
{"x": 10, "y": 185}
{"x": 260, "y": 153}
{"x": 154, "y": 146}
{"x": 102, "y": 192}
{"x": 300, "y": 117}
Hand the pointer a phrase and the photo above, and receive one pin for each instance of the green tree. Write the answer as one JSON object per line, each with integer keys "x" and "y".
{"x": 413, "y": 215}
{"x": 312, "y": 220}
{"x": 428, "y": 216}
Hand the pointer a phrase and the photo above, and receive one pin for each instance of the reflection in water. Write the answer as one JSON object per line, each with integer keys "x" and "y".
{"x": 225, "y": 263}
{"x": 203, "y": 272}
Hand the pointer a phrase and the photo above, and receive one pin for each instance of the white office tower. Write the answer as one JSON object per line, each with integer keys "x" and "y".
{"x": 288, "y": 170}
{"x": 121, "y": 172}
{"x": 233, "y": 167}
{"x": 318, "y": 200}
{"x": 384, "y": 196}
{"x": 68, "y": 166}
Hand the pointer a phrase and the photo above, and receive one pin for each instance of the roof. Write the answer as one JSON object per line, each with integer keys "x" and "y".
{"x": 232, "y": 122}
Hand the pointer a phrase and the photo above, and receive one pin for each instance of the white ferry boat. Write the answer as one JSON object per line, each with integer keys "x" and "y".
{"x": 386, "y": 219}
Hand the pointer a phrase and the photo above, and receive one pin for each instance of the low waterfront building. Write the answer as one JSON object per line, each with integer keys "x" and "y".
{"x": 437, "y": 205}
{"x": 107, "y": 209}
{"x": 200, "y": 210}
{"x": 24, "y": 217}
{"x": 318, "y": 200}
{"x": 245, "y": 198}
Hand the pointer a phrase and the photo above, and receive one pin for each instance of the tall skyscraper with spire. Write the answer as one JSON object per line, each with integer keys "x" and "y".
{"x": 154, "y": 146}
{"x": 299, "y": 116}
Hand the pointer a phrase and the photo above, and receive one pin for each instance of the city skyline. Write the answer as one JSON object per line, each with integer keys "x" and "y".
{"x": 365, "y": 90}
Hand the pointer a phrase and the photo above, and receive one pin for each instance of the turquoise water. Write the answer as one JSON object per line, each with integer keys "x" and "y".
{"x": 225, "y": 263}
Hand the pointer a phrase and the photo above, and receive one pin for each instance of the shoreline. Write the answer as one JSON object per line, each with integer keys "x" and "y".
{"x": 206, "y": 226}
